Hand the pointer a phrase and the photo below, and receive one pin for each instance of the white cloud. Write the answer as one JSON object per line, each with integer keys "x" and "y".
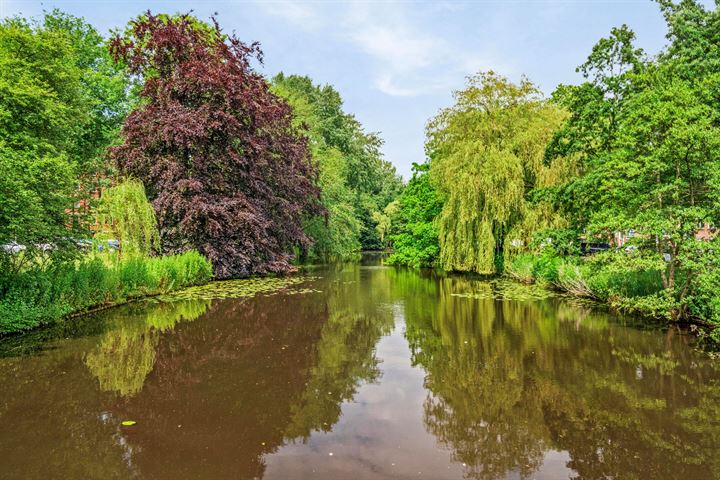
{"x": 300, "y": 14}
{"x": 399, "y": 48}
{"x": 408, "y": 59}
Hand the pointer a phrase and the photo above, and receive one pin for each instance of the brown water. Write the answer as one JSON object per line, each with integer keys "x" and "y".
{"x": 362, "y": 372}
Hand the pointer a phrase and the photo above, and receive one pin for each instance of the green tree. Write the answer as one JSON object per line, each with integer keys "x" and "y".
{"x": 643, "y": 133}
{"x": 415, "y": 235}
{"x": 486, "y": 155}
{"x": 125, "y": 214}
{"x": 61, "y": 101}
{"x": 357, "y": 184}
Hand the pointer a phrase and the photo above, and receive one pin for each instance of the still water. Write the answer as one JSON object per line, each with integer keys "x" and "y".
{"x": 359, "y": 372}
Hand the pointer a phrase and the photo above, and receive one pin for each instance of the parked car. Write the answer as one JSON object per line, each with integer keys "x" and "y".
{"x": 13, "y": 248}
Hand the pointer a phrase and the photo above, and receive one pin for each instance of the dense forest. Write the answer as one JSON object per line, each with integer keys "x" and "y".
{"x": 161, "y": 158}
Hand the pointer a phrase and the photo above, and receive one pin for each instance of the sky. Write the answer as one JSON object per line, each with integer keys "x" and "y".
{"x": 396, "y": 63}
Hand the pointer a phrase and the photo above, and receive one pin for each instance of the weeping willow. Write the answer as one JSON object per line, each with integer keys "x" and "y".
{"x": 125, "y": 214}
{"x": 486, "y": 153}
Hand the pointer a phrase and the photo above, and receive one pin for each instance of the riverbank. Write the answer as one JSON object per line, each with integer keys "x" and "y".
{"x": 38, "y": 297}
{"x": 639, "y": 292}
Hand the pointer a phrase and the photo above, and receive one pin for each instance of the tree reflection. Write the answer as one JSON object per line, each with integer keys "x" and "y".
{"x": 345, "y": 355}
{"x": 509, "y": 381}
{"x": 125, "y": 354}
{"x": 344, "y": 359}
{"x": 254, "y": 375}
{"x": 506, "y": 382}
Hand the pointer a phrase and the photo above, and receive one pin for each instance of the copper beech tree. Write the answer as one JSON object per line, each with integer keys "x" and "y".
{"x": 226, "y": 172}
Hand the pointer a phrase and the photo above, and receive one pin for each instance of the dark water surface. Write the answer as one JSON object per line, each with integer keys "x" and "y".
{"x": 361, "y": 372}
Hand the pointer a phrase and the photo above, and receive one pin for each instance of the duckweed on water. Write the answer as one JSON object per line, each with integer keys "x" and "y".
{"x": 238, "y": 289}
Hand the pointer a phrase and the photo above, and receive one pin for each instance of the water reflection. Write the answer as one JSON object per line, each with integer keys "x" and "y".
{"x": 509, "y": 381}
{"x": 264, "y": 387}
{"x": 125, "y": 354}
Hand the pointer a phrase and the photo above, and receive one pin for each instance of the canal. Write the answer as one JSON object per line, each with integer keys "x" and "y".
{"x": 358, "y": 371}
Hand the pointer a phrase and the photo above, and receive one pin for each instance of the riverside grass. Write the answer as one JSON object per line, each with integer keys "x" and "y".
{"x": 630, "y": 291}
{"x": 39, "y": 297}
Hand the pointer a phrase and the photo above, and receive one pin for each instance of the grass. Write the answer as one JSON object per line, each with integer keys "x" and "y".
{"x": 41, "y": 296}
{"x": 638, "y": 291}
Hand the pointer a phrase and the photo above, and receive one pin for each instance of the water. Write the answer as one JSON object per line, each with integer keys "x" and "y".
{"x": 362, "y": 372}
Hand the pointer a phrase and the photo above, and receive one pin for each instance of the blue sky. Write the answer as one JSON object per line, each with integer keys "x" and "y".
{"x": 397, "y": 63}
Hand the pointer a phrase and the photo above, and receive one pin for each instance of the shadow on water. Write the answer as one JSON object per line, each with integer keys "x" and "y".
{"x": 494, "y": 381}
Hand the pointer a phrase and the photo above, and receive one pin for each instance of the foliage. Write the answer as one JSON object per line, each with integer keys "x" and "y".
{"x": 125, "y": 214}
{"x": 357, "y": 184}
{"x": 486, "y": 155}
{"x": 621, "y": 281}
{"x": 224, "y": 168}
{"x": 61, "y": 102}
{"x": 521, "y": 268}
{"x": 38, "y": 297}
{"x": 414, "y": 234}
{"x": 643, "y": 132}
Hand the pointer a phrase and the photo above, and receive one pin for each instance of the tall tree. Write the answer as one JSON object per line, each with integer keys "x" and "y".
{"x": 357, "y": 183}
{"x": 486, "y": 155}
{"x": 644, "y": 132}
{"x": 61, "y": 102}
{"x": 224, "y": 168}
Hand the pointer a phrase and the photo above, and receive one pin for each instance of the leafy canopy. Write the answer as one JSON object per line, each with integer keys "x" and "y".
{"x": 226, "y": 171}
{"x": 486, "y": 154}
{"x": 61, "y": 102}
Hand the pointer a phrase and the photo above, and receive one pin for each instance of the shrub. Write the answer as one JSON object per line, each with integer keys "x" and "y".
{"x": 546, "y": 268}
{"x": 573, "y": 279}
{"x": 521, "y": 267}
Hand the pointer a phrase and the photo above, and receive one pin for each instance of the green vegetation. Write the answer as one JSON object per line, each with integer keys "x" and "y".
{"x": 356, "y": 183}
{"x": 486, "y": 155}
{"x": 126, "y": 215}
{"x": 38, "y": 297}
{"x": 414, "y": 234}
{"x": 61, "y": 103}
{"x": 90, "y": 149}
{"x": 276, "y": 172}
{"x": 629, "y": 158}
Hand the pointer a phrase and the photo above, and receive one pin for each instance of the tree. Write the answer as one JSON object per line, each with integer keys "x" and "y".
{"x": 415, "y": 237}
{"x": 318, "y": 110}
{"x": 643, "y": 132}
{"x": 357, "y": 184}
{"x": 125, "y": 214}
{"x": 224, "y": 168}
{"x": 661, "y": 179}
{"x": 486, "y": 155}
{"x": 61, "y": 101}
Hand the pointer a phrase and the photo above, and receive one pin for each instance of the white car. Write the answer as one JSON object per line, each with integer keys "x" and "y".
{"x": 13, "y": 247}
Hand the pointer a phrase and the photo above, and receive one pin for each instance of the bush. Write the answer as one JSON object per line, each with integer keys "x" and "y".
{"x": 573, "y": 278}
{"x": 546, "y": 268}
{"x": 38, "y": 297}
{"x": 599, "y": 277}
{"x": 521, "y": 267}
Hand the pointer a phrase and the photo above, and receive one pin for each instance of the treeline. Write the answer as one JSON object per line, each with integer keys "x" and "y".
{"x": 160, "y": 141}
{"x": 628, "y": 159}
